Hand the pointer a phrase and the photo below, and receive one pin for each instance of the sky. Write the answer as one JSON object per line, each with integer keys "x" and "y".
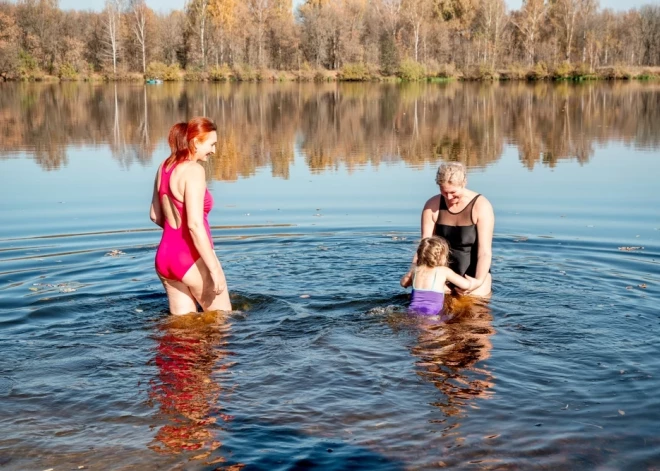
{"x": 167, "y": 5}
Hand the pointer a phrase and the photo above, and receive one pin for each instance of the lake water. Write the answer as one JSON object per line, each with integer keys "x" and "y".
{"x": 318, "y": 191}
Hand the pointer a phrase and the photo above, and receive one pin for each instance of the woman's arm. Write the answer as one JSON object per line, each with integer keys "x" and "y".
{"x": 485, "y": 226}
{"x": 458, "y": 281}
{"x": 156, "y": 211}
{"x": 193, "y": 197}
{"x": 428, "y": 223}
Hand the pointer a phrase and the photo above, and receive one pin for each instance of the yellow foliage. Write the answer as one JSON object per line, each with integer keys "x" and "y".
{"x": 223, "y": 13}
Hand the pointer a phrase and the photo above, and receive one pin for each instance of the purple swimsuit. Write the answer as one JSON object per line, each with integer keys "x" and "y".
{"x": 426, "y": 301}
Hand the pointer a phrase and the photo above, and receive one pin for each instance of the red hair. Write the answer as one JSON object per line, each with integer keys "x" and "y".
{"x": 178, "y": 142}
{"x": 182, "y": 135}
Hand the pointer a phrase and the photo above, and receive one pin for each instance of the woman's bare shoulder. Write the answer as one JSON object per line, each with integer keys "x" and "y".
{"x": 433, "y": 203}
{"x": 191, "y": 170}
{"x": 482, "y": 205}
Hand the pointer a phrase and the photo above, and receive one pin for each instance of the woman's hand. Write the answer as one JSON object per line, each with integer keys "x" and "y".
{"x": 219, "y": 281}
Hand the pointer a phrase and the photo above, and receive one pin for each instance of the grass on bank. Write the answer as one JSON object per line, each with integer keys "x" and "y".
{"x": 407, "y": 71}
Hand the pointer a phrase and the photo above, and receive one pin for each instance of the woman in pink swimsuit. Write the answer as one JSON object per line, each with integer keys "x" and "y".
{"x": 186, "y": 261}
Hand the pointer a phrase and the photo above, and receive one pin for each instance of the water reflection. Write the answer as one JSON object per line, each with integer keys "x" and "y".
{"x": 191, "y": 353}
{"x": 450, "y": 354}
{"x": 331, "y": 124}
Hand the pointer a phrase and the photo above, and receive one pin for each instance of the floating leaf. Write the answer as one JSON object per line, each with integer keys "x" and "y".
{"x": 643, "y": 286}
{"x": 621, "y": 412}
{"x": 630, "y": 249}
{"x": 304, "y": 295}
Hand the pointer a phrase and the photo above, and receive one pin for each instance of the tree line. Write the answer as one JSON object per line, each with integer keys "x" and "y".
{"x": 348, "y": 39}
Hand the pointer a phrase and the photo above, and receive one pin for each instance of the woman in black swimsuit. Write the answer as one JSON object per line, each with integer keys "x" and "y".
{"x": 466, "y": 220}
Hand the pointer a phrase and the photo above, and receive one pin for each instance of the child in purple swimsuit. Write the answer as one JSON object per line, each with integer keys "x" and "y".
{"x": 430, "y": 276}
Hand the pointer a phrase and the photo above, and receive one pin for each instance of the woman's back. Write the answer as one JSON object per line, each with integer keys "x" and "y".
{"x": 177, "y": 252}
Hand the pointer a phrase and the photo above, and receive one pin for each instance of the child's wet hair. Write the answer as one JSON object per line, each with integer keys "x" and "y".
{"x": 433, "y": 252}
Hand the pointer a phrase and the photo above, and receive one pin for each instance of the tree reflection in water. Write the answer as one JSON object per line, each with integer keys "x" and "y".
{"x": 331, "y": 125}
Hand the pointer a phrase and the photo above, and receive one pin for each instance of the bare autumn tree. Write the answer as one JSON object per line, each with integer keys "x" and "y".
{"x": 388, "y": 15}
{"x": 491, "y": 20}
{"x": 630, "y": 32}
{"x": 390, "y": 12}
{"x": 564, "y": 15}
{"x": 140, "y": 15}
{"x": 197, "y": 12}
{"x": 260, "y": 12}
{"x": 112, "y": 23}
{"x": 529, "y": 21}
{"x": 283, "y": 35}
{"x": 169, "y": 41}
{"x": 650, "y": 34}
{"x": 586, "y": 12}
{"x": 351, "y": 15}
{"x": 315, "y": 30}
{"x": 415, "y": 13}
{"x": 605, "y": 24}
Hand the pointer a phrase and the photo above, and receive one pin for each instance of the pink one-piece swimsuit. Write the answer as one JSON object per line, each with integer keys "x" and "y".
{"x": 176, "y": 252}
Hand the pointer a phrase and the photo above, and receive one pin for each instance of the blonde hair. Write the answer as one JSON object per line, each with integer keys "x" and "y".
{"x": 451, "y": 172}
{"x": 433, "y": 252}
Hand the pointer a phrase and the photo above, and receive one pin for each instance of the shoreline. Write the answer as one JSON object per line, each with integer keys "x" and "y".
{"x": 358, "y": 73}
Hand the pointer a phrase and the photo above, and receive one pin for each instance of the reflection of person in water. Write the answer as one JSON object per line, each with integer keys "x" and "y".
{"x": 189, "y": 352}
{"x": 449, "y": 352}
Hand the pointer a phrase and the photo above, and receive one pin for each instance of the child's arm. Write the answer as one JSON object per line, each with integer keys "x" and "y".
{"x": 458, "y": 281}
{"x": 406, "y": 280}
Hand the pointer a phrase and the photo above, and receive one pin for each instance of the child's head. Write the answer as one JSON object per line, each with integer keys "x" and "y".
{"x": 433, "y": 252}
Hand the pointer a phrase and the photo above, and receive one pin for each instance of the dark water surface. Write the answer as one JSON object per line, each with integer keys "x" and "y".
{"x": 318, "y": 192}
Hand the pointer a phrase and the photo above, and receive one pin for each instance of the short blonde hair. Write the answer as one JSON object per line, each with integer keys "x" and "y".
{"x": 433, "y": 252}
{"x": 451, "y": 172}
